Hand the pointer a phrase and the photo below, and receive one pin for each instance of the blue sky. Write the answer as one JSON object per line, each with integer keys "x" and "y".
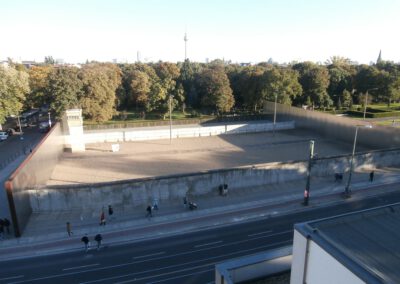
{"x": 237, "y": 30}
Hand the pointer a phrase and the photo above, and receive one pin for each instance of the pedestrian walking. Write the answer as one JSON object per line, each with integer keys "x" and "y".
{"x": 155, "y": 204}
{"x": 69, "y": 230}
{"x": 110, "y": 211}
{"x": 98, "y": 238}
{"x": 102, "y": 219}
{"x": 1, "y": 228}
{"x": 149, "y": 213}
{"x": 7, "y": 224}
{"x": 371, "y": 176}
{"x": 85, "y": 240}
{"x": 185, "y": 201}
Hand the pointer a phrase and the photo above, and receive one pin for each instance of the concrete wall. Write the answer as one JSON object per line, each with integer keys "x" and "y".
{"x": 335, "y": 127}
{"x": 312, "y": 264}
{"x": 137, "y": 134}
{"x": 254, "y": 266}
{"x": 139, "y": 192}
{"x": 35, "y": 170}
{"x": 323, "y": 268}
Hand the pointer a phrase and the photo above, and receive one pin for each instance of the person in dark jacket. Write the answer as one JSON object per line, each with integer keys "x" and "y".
{"x": 371, "y": 176}
{"x": 85, "y": 240}
{"x": 98, "y": 238}
{"x": 110, "y": 211}
{"x": 7, "y": 224}
{"x": 149, "y": 213}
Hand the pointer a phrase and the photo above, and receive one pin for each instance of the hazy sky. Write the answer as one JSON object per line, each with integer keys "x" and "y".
{"x": 237, "y": 30}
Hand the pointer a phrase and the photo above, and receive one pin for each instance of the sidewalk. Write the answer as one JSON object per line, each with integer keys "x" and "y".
{"x": 46, "y": 233}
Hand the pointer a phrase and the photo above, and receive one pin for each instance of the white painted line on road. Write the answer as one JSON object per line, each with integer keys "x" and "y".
{"x": 78, "y": 267}
{"x": 12, "y": 277}
{"x": 146, "y": 260}
{"x": 167, "y": 273}
{"x": 147, "y": 255}
{"x": 260, "y": 233}
{"x": 226, "y": 256}
{"x": 272, "y": 235}
{"x": 208, "y": 244}
{"x": 181, "y": 276}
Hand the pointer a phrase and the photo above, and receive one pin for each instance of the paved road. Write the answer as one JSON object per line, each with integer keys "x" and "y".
{"x": 13, "y": 147}
{"x": 187, "y": 258}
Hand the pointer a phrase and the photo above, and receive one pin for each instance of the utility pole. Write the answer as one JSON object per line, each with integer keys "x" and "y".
{"x": 365, "y": 104}
{"x": 310, "y": 158}
{"x": 170, "y": 119}
{"x": 276, "y": 99}
{"x": 347, "y": 190}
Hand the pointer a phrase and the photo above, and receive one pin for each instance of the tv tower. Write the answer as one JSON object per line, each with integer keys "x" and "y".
{"x": 185, "y": 39}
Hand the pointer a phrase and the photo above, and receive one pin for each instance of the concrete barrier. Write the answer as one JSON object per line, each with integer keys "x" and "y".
{"x": 139, "y": 192}
{"x": 140, "y": 134}
{"x": 338, "y": 128}
{"x": 35, "y": 169}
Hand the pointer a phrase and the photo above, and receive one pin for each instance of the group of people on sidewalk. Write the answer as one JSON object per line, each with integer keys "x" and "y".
{"x": 4, "y": 227}
{"x": 150, "y": 208}
{"x": 85, "y": 239}
{"x": 103, "y": 215}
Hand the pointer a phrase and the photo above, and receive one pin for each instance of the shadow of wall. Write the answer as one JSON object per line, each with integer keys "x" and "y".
{"x": 35, "y": 170}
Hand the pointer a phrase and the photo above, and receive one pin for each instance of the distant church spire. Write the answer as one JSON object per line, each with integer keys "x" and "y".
{"x": 379, "y": 60}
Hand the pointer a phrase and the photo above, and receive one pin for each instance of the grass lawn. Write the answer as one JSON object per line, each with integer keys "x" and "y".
{"x": 138, "y": 117}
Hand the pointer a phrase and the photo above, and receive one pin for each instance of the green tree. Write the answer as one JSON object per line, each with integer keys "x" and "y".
{"x": 38, "y": 82}
{"x": 164, "y": 87}
{"x": 235, "y": 76}
{"x": 137, "y": 81}
{"x": 341, "y": 73}
{"x": 282, "y": 83}
{"x": 215, "y": 90}
{"x": 347, "y": 99}
{"x": 252, "y": 88}
{"x": 140, "y": 87}
{"x": 14, "y": 85}
{"x": 314, "y": 80}
{"x": 368, "y": 78}
{"x": 179, "y": 97}
{"x": 49, "y": 60}
{"x": 64, "y": 89}
{"x": 189, "y": 72}
{"x": 100, "y": 82}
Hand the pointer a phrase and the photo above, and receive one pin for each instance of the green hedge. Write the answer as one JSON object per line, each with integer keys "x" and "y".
{"x": 373, "y": 115}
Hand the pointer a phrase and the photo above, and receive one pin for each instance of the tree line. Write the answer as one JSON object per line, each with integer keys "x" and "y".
{"x": 103, "y": 89}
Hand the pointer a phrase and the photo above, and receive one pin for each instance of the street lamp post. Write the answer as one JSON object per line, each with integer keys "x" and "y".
{"x": 170, "y": 119}
{"x": 347, "y": 190}
{"x": 276, "y": 99}
{"x": 310, "y": 158}
{"x": 49, "y": 120}
{"x": 19, "y": 124}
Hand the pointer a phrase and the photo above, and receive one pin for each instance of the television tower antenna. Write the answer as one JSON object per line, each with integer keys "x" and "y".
{"x": 138, "y": 56}
{"x": 185, "y": 39}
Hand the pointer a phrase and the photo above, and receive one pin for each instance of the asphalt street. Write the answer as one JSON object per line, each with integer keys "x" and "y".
{"x": 183, "y": 258}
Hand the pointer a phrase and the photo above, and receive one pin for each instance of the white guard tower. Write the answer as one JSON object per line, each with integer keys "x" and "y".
{"x": 73, "y": 130}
